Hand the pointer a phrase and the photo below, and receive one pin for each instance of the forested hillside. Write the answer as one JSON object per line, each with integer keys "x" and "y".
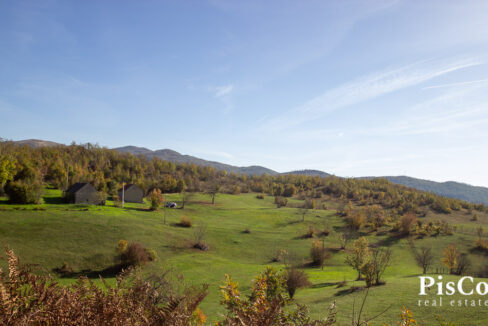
{"x": 448, "y": 189}
{"x": 28, "y": 169}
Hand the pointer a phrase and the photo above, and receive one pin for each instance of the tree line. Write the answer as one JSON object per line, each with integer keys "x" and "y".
{"x": 26, "y": 170}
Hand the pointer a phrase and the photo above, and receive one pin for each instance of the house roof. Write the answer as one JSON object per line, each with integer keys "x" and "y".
{"x": 127, "y": 186}
{"x": 77, "y": 187}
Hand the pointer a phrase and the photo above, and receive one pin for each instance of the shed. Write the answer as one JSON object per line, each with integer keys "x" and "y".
{"x": 132, "y": 193}
{"x": 83, "y": 193}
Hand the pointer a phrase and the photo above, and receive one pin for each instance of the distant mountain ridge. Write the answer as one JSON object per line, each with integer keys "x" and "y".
{"x": 451, "y": 189}
{"x": 311, "y": 173}
{"x": 173, "y": 156}
{"x": 36, "y": 143}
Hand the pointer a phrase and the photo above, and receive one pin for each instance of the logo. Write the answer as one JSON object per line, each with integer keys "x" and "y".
{"x": 464, "y": 287}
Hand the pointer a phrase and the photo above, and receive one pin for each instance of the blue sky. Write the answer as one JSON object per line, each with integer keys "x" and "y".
{"x": 353, "y": 88}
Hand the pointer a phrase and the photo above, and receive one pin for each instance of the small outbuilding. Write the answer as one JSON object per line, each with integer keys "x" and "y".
{"x": 132, "y": 194}
{"x": 83, "y": 193}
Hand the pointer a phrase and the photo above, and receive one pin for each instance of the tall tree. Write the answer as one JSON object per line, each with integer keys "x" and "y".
{"x": 359, "y": 255}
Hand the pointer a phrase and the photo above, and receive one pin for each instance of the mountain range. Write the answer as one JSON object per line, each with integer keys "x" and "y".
{"x": 448, "y": 189}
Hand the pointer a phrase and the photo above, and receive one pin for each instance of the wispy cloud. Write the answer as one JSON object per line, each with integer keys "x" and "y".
{"x": 368, "y": 88}
{"x": 224, "y": 95}
{"x": 225, "y": 90}
{"x": 465, "y": 83}
{"x": 459, "y": 112}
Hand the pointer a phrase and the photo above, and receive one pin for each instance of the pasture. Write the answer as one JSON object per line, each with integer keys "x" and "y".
{"x": 85, "y": 237}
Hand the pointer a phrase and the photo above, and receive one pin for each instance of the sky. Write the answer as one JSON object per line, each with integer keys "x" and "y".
{"x": 353, "y": 88}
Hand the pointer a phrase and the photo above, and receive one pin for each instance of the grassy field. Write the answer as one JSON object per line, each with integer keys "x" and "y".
{"x": 85, "y": 237}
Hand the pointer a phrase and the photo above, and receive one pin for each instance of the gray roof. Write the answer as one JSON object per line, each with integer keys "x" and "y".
{"x": 78, "y": 186}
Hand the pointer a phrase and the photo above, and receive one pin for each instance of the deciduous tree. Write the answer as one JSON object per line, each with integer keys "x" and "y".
{"x": 450, "y": 257}
{"x": 359, "y": 256}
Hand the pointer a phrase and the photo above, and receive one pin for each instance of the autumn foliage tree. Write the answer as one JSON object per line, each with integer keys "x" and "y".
{"x": 359, "y": 255}
{"x": 407, "y": 221}
{"x": 7, "y": 170}
{"x": 266, "y": 305}
{"x": 450, "y": 256}
{"x": 319, "y": 253}
{"x": 356, "y": 218}
{"x": 156, "y": 199}
{"x": 61, "y": 166}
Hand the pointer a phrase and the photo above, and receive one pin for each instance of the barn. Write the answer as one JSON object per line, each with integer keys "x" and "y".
{"x": 83, "y": 193}
{"x": 132, "y": 194}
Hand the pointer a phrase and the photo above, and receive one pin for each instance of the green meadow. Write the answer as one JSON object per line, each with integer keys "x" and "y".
{"x": 85, "y": 238}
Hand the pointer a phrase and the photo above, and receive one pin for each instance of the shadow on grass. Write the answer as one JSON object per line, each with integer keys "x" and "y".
{"x": 352, "y": 289}
{"x": 181, "y": 225}
{"x": 139, "y": 209}
{"x": 54, "y": 200}
{"x": 323, "y": 285}
{"x": 108, "y": 272}
{"x": 303, "y": 236}
{"x": 288, "y": 223}
{"x": 389, "y": 241}
{"x": 479, "y": 251}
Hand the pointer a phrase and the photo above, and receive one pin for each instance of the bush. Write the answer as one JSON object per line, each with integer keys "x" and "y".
{"x": 24, "y": 192}
{"x": 310, "y": 204}
{"x": 295, "y": 279}
{"x": 29, "y": 299}
{"x": 356, "y": 219}
{"x": 156, "y": 199}
{"x": 117, "y": 201}
{"x": 344, "y": 239}
{"x": 266, "y": 305}
{"x": 375, "y": 266}
{"x": 279, "y": 255}
{"x": 406, "y": 223}
{"x": 152, "y": 254}
{"x": 65, "y": 270}
{"x": 319, "y": 254}
{"x": 326, "y": 229}
{"x": 101, "y": 198}
{"x": 135, "y": 254}
{"x": 185, "y": 222}
{"x": 280, "y": 201}
{"x": 310, "y": 233}
{"x": 199, "y": 238}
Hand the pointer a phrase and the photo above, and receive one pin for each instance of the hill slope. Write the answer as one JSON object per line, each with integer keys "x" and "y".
{"x": 310, "y": 173}
{"x": 173, "y": 156}
{"x": 447, "y": 189}
{"x": 36, "y": 143}
{"x": 84, "y": 239}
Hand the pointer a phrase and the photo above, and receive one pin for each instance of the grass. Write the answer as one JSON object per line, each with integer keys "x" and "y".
{"x": 85, "y": 237}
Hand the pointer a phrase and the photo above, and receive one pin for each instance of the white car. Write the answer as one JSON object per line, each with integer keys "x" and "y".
{"x": 170, "y": 205}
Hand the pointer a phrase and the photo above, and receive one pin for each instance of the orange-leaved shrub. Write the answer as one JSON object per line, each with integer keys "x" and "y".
{"x": 134, "y": 254}
{"x": 185, "y": 222}
{"x": 267, "y": 304}
{"x": 28, "y": 299}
